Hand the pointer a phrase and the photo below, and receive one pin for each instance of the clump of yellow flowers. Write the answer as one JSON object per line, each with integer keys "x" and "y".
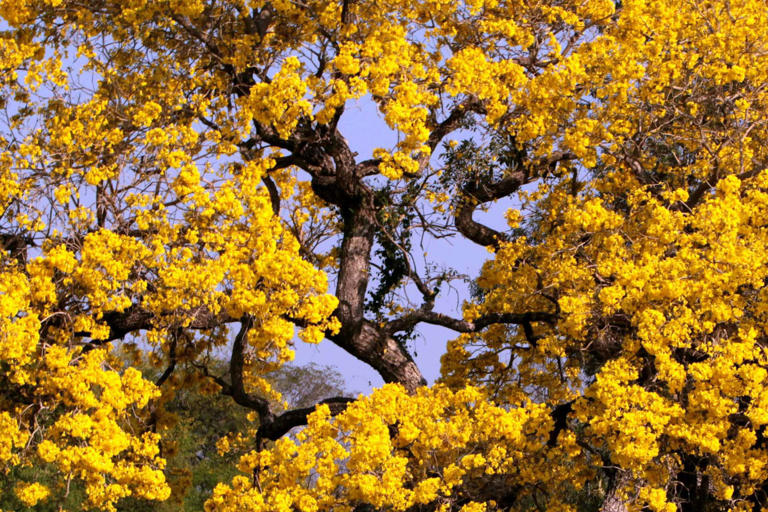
{"x": 79, "y": 407}
{"x": 171, "y": 168}
{"x": 413, "y": 450}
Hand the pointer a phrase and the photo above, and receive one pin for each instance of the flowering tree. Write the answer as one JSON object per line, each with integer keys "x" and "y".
{"x": 173, "y": 172}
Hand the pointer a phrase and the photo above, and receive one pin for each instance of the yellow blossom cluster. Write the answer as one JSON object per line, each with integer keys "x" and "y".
{"x": 121, "y": 217}
{"x": 655, "y": 265}
{"x": 397, "y": 451}
{"x": 153, "y": 188}
{"x": 67, "y": 410}
{"x": 659, "y": 343}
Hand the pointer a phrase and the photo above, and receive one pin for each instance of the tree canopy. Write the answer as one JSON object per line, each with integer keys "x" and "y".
{"x": 175, "y": 183}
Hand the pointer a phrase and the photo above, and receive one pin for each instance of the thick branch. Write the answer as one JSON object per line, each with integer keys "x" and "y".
{"x": 478, "y": 233}
{"x": 368, "y": 167}
{"x": 236, "y": 364}
{"x": 136, "y": 319}
{"x": 412, "y": 318}
{"x": 283, "y": 423}
{"x": 274, "y": 194}
{"x": 172, "y": 365}
{"x": 560, "y": 417}
{"x": 477, "y": 194}
{"x": 354, "y": 268}
{"x": 376, "y": 347}
{"x": 453, "y": 121}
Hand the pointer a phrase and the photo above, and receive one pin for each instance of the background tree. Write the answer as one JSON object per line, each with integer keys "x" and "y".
{"x": 172, "y": 170}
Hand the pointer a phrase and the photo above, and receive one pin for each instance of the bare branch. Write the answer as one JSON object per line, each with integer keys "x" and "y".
{"x": 412, "y": 318}
{"x": 236, "y": 366}
{"x": 274, "y": 194}
{"x": 368, "y": 167}
{"x": 453, "y": 121}
{"x": 283, "y": 423}
{"x": 172, "y": 357}
{"x": 477, "y": 193}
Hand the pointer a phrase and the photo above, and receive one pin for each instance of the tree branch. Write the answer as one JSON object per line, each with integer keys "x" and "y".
{"x": 560, "y": 417}
{"x": 412, "y": 318}
{"x": 283, "y": 423}
{"x": 274, "y": 194}
{"x": 368, "y": 167}
{"x": 172, "y": 365}
{"x": 236, "y": 364}
{"x": 136, "y": 319}
{"x": 477, "y": 194}
{"x": 453, "y": 121}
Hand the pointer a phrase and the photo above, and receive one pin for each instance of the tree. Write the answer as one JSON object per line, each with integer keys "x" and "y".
{"x": 173, "y": 169}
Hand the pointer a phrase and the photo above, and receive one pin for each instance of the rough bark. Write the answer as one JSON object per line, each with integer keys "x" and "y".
{"x": 373, "y": 345}
{"x": 354, "y": 269}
